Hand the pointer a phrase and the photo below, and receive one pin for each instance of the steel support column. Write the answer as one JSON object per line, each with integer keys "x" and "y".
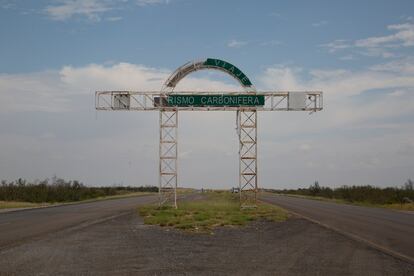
{"x": 247, "y": 130}
{"x": 168, "y": 158}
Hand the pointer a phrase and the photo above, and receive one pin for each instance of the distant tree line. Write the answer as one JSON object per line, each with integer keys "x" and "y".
{"x": 60, "y": 190}
{"x": 367, "y": 194}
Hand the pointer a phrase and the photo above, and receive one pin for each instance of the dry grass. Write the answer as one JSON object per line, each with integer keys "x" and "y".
{"x": 18, "y": 204}
{"x": 393, "y": 206}
{"x": 403, "y": 207}
{"x": 123, "y": 195}
{"x": 218, "y": 209}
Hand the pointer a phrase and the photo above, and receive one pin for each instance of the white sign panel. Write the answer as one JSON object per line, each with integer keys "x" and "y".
{"x": 297, "y": 100}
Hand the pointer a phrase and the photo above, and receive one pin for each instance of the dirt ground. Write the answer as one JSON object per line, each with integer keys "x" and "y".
{"x": 125, "y": 246}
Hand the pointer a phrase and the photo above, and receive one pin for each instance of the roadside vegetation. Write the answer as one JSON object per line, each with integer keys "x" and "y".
{"x": 391, "y": 197}
{"x": 22, "y": 192}
{"x": 216, "y": 209}
{"x": 17, "y": 204}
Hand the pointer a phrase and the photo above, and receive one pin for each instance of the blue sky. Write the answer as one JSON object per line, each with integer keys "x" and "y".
{"x": 38, "y": 37}
{"x": 55, "y": 54}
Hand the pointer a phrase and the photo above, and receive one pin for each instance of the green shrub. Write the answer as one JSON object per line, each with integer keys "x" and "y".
{"x": 59, "y": 190}
{"x": 366, "y": 194}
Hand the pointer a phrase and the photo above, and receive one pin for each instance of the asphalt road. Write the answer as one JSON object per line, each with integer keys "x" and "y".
{"x": 19, "y": 226}
{"x": 110, "y": 238}
{"x": 391, "y": 231}
{"x": 125, "y": 246}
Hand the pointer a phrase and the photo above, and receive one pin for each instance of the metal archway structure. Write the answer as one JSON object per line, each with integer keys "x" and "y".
{"x": 169, "y": 102}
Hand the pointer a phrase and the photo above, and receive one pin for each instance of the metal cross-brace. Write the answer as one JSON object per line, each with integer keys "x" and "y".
{"x": 168, "y": 158}
{"x": 247, "y": 131}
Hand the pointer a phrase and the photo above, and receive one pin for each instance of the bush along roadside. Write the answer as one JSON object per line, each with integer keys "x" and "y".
{"x": 60, "y": 190}
{"x": 392, "y": 197}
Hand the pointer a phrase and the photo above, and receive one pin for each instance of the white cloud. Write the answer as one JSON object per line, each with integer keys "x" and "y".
{"x": 342, "y": 83}
{"x": 377, "y": 46}
{"x": 33, "y": 92}
{"x": 281, "y": 77}
{"x": 66, "y": 9}
{"x": 401, "y": 66}
{"x": 122, "y": 76}
{"x": 151, "y": 2}
{"x": 342, "y": 89}
{"x": 356, "y": 134}
{"x": 347, "y": 57}
{"x": 92, "y": 10}
{"x": 236, "y": 43}
{"x": 53, "y": 91}
{"x": 74, "y": 137}
{"x": 7, "y": 4}
{"x": 275, "y": 14}
{"x": 320, "y": 23}
{"x": 403, "y": 36}
{"x": 376, "y": 52}
{"x": 271, "y": 43}
{"x": 397, "y": 93}
{"x": 336, "y": 45}
{"x": 305, "y": 147}
{"x": 114, "y": 18}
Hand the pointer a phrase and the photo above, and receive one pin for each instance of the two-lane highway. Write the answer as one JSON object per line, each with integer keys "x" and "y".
{"x": 110, "y": 238}
{"x": 18, "y": 226}
{"x": 389, "y": 230}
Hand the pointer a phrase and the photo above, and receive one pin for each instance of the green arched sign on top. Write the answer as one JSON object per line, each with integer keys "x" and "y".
{"x": 228, "y": 68}
{"x": 209, "y": 63}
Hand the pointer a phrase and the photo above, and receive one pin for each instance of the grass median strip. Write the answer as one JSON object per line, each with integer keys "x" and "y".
{"x": 217, "y": 209}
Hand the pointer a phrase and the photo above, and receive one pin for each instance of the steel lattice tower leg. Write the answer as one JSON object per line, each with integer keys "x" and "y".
{"x": 168, "y": 158}
{"x": 247, "y": 130}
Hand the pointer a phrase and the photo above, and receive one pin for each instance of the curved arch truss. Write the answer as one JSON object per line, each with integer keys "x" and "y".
{"x": 209, "y": 63}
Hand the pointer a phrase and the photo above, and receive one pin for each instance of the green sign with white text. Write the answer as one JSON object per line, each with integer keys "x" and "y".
{"x": 217, "y": 100}
{"x": 229, "y": 68}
